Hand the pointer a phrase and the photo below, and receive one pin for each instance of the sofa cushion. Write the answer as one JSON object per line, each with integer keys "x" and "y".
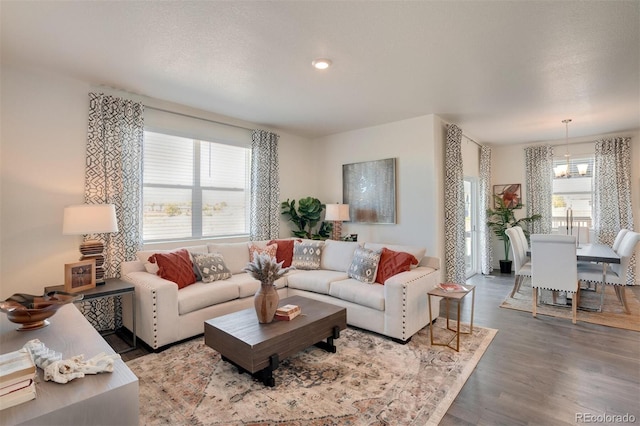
{"x": 284, "y": 253}
{"x": 254, "y": 249}
{"x": 175, "y": 266}
{"x": 316, "y": 281}
{"x": 144, "y": 255}
{"x": 211, "y": 267}
{"x": 392, "y": 263}
{"x": 307, "y": 254}
{"x": 418, "y": 252}
{"x": 364, "y": 265}
{"x": 201, "y": 295}
{"x": 351, "y": 290}
{"x": 236, "y": 255}
{"x": 337, "y": 255}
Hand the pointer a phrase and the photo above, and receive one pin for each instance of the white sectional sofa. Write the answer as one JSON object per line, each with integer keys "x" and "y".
{"x": 397, "y": 309}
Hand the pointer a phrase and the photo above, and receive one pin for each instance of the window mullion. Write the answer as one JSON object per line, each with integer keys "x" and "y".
{"x": 196, "y": 196}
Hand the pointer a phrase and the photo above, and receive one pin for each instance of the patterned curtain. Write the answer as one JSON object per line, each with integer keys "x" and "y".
{"x": 539, "y": 186}
{"x": 612, "y": 193}
{"x": 454, "y": 208}
{"x": 264, "y": 221}
{"x": 114, "y": 176}
{"x": 485, "y": 199}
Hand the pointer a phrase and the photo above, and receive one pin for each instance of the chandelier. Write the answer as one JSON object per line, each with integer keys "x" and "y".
{"x": 564, "y": 170}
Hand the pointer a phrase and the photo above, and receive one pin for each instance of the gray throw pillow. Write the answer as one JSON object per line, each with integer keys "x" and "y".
{"x": 211, "y": 267}
{"x": 306, "y": 254}
{"x": 364, "y": 265}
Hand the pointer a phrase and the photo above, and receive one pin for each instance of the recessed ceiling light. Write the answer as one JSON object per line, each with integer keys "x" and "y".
{"x": 321, "y": 63}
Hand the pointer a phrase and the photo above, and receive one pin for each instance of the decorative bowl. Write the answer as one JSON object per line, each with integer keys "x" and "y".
{"x": 31, "y": 312}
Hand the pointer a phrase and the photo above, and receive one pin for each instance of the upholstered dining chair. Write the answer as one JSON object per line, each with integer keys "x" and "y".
{"x": 554, "y": 267}
{"x": 523, "y": 240}
{"x": 616, "y": 273}
{"x": 520, "y": 262}
{"x": 618, "y": 240}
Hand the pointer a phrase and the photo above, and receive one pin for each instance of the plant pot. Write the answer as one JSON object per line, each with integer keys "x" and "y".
{"x": 505, "y": 266}
{"x": 266, "y": 302}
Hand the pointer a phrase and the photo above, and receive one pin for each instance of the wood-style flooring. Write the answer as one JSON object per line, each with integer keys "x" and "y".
{"x": 542, "y": 371}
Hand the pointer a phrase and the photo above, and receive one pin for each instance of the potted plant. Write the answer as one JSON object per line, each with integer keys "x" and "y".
{"x": 306, "y": 217}
{"x": 502, "y": 218}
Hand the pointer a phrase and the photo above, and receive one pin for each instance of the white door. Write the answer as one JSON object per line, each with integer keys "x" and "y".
{"x": 472, "y": 252}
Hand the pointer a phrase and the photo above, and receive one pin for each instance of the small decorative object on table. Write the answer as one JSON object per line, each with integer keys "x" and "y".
{"x": 79, "y": 276}
{"x": 451, "y": 287}
{"x": 267, "y": 270}
{"x": 17, "y": 378}
{"x": 32, "y": 311}
{"x": 287, "y": 312}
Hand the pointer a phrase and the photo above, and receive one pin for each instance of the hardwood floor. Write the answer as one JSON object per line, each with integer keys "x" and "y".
{"x": 545, "y": 370}
{"x": 538, "y": 371}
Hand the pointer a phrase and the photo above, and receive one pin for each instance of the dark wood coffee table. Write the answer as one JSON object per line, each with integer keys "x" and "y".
{"x": 258, "y": 348}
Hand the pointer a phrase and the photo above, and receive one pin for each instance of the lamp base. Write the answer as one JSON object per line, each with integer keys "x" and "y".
{"x": 336, "y": 233}
{"x": 93, "y": 249}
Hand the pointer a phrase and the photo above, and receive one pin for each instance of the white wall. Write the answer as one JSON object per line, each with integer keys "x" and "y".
{"x": 43, "y": 138}
{"x": 416, "y": 145}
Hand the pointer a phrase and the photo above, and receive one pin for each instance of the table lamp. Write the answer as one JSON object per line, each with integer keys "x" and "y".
{"x": 83, "y": 219}
{"x": 337, "y": 213}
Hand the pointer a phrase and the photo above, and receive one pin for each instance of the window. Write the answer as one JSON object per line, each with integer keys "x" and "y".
{"x": 193, "y": 188}
{"x": 575, "y": 192}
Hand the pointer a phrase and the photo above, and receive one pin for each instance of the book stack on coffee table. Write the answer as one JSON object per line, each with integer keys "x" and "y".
{"x": 287, "y": 312}
{"x": 17, "y": 378}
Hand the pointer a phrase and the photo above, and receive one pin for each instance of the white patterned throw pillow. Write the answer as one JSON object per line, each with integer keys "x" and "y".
{"x": 364, "y": 265}
{"x": 306, "y": 254}
{"x": 211, "y": 266}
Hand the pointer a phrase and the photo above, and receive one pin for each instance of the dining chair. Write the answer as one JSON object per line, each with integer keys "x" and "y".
{"x": 523, "y": 240}
{"x": 520, "y": 262}
{"x": 554, "y": 267}
{"x": 616, "y": 273}
{"x": 618, "y": 240}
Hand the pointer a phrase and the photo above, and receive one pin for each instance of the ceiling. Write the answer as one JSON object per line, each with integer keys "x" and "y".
{"x": 504, "y": 71}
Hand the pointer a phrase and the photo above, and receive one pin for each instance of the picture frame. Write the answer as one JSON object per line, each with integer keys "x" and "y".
{"x": 79, "y": 276}
{"x": 369, "y": 188}
{"x": 510, "y": 193}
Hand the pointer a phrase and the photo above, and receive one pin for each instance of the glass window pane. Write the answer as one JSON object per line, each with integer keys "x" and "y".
{"x": 224, "y": 213}
{"x": 167, "y": 213}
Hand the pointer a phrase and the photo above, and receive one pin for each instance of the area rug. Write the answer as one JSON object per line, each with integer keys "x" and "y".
{"x": 612, "y": 314}
{"x": 371, "y": 380}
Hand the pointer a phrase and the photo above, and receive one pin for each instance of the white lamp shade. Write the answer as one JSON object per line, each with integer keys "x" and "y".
{"x": 89, "y": 219}
{"x": 583, "y": 168}
{"x": 338, "y": 212}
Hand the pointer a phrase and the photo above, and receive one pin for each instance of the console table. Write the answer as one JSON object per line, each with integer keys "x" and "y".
{"x": 113, "y": 287}
{"x": 102, "y": 399}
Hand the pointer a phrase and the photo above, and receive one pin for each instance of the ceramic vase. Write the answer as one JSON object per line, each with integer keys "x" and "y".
{"x": 266, "y": 302}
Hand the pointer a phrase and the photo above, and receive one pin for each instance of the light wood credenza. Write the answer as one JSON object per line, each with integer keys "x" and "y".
{"x": 102, "y": 399}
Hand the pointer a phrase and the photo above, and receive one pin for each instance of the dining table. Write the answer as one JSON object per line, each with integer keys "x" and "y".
{"x": 604, "y": 254}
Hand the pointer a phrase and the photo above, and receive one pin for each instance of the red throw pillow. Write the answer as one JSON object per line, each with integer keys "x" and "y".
{"x": 284, "y": 253}
{"x": 392, "y": 263}
{"x": 175, "y": 266}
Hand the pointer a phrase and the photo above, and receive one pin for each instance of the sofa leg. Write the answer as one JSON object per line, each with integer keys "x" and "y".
{"x": 402, "y": 342}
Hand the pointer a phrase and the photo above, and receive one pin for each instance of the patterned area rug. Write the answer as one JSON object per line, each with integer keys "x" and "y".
{"x": 612, "y": 314}
{"x": 371, "y": 380}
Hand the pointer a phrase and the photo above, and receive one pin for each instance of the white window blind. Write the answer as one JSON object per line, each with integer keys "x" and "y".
{"x": 194, "y": 188}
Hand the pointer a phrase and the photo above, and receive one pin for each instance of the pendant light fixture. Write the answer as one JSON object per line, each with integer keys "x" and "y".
{"x": 564, "y": 170}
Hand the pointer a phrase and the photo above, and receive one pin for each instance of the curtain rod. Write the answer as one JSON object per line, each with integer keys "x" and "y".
{"x": 198, "y": 118}
{"x": 468, "y": 138}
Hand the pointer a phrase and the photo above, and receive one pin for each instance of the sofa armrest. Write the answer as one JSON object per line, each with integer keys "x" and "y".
{"x": 156, "y": 308}
{"x": 406, "y": 309}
